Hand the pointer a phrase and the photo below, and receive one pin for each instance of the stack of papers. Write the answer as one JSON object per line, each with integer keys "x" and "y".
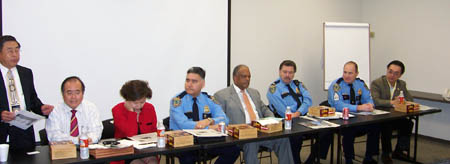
{"x": 374, "y": 112}
{"x": 204, "y": 132}
{"x": 144, "y": 140}
{"x": 266, "y": 121}
{"x": 337, "y": 115}
{"x": 424, "y": 107}
{"x": 317, "y": 123}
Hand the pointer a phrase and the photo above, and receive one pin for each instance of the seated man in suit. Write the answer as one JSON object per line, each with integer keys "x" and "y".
{"x": 342, "y": 94}
{"x": 193, "y": 109}
{"x": 242, "y": 105}
{"x": 385, "y": 91}
{"x": 17, "y": 93}
{"x": 74, "y": 116}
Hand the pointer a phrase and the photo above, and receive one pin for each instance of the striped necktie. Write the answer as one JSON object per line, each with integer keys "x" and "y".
{"x": 73, "y": 124}
{"x": 13, "y": 95}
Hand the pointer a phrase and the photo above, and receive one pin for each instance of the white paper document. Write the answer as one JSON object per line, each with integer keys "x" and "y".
{"x": 374, "y": 112}
{"x": 317, "y": 123}
{"x": 144, "y": 140}
{"x": 24, "y": 119}
{"x": 424, "y": 107}
{"x": 337, "y": 115}
{"x": 204, "y": 132}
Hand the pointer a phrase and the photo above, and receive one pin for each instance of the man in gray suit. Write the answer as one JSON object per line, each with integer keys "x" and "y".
{"x": 385, "y": 91}
{"x": 243, "y": 105}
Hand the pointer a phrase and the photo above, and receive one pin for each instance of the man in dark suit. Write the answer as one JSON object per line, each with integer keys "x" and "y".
{"x": 242, "y": 105}
{"x": 17, "y": 92}
{"x": 385, "y": 92}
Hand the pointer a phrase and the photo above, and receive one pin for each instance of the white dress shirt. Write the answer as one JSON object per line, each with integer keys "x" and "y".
{"x": 18, "y": 86}
{"x": 88, "y": 118}
{"x": 241, "y": 98}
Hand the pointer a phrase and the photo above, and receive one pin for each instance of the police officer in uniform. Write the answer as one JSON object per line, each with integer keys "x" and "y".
{"x": 193, "y": 109}
{"x": 286, "y": 92}
{"x": 351, "y": 92}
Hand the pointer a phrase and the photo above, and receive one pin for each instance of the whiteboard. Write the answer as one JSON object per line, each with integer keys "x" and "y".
{"x": 345, "y": 42}
{"x": 108, "y": 42}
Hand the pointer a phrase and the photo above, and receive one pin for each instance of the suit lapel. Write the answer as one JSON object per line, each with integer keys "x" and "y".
{"x": 235, "y": 98}
{"x": 4, "y": 98}
{"x": 23, "y": 82}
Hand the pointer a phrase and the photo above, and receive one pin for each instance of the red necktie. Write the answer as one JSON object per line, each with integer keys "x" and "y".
{"x": 73, "y": 124}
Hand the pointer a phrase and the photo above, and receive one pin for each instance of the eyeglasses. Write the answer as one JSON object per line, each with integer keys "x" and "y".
{"x": 395, "y": 73}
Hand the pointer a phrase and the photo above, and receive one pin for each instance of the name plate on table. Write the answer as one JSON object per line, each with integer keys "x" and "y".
{"x": 63, "y": 150}
{"x": 242, "y": 131}
{"x": 268, "y": 127}
{"x": 407, "y": 107}
{"x": 179, "y": 138}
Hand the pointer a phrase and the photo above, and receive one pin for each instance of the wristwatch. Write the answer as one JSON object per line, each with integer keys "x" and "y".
{"x": 211, "y": 121}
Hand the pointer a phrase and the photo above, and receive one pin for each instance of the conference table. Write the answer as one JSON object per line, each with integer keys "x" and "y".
{"x": 297, "y": 129}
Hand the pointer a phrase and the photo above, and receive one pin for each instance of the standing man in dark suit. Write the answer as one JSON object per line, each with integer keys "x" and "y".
{"x": 17, "y": 92}
{"x": 385, "y": 91}
{"x": 242, "y": 105}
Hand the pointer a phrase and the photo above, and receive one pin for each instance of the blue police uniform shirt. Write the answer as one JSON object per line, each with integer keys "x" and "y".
{"x": 279, "y": 97}
{"x": 339, "y": 94}
{"x": 181, "y": 112}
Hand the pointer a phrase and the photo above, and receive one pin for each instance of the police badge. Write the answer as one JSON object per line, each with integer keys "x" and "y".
{"x": 206, "y": 109}
{"x": 359, "y": 91}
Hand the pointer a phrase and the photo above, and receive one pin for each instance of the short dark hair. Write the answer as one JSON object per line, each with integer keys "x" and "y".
{"x": 72, "y": 78}
{"x": 397, "y": 63}
{"x": 7, "y": 38}
{"x": 354, "y": 63}
{"x": 289, "y": 63}
{"x": 237, "y": 68}
{"x": 197, "y": 70}
{"x": 135, "y": 89}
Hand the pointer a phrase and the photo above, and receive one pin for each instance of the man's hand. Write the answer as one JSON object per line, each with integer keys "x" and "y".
{"x": 395, "y": 101}
{"x": 365, "y": 108}
{"x": 8, "y": 116}
{"x": 202, "y": 124}
{"x": 47, "y": 109}
{"x": 215, "y": 127}
{"x": 296, "y": 114}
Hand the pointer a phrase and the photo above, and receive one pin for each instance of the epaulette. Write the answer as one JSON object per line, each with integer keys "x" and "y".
{"x": 210, "y": 97}
{"x": 176, "y": 101}
{"x": 365, "y": 85}
{"x": 339, "y": 80}
{"x": 298, "y": 83}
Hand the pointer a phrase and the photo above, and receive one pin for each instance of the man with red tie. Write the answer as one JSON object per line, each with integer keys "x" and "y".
{"x": 74, "y": 116}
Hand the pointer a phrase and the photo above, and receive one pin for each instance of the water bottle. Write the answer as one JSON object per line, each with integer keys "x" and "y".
{"x": 161, "y": 137}
{"x": 401, "y": 98}
{"x": 84, "y": 146}
{"x": 288, "y": 119}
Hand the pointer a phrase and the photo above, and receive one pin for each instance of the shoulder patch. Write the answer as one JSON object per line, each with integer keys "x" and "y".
{"x": 336, "y": 87}
{"x": 273, "y": 88}
{"x": 176, "y": 102}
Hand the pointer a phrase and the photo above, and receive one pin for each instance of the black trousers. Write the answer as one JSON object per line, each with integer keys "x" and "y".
{"x": 227, "y": 155}
{"x": 296, "y": 147}
{"x": 372, "y": 144}
{"x": 404, "y": 127}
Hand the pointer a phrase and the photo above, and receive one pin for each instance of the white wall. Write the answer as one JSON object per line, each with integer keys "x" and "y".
{"x": 266, "y": 32}
{"x": 416, "y": 32}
